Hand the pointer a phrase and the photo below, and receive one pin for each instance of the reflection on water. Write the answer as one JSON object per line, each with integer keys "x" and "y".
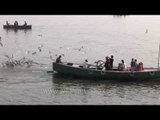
{"x": 115, "y": 92}
{"x": 26, "y": 31}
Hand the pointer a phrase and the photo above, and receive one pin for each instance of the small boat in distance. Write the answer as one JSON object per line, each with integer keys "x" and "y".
{"x": 16, "y": 26}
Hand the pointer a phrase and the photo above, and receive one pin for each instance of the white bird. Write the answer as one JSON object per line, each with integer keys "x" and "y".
{"x": 51, "y": 57}
{"x": 27, "y": 52}
{"x": 39, "y": 48}
{"x": 1, "y": 44}
{"x": 80, "y": 48}
{"x": 6, "y": 56}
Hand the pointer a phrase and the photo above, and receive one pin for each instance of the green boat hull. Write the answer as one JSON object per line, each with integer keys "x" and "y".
{"x": 109, "y": 74}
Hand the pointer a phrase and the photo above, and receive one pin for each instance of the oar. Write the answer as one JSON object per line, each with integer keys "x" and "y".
{"x": 49, "y": 71}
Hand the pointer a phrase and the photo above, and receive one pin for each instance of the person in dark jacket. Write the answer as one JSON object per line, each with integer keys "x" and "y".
{"x": 111, "y": 61}
{"x": 58, "y": 60}
{"x": 7, "y": 23}
{"x": 25, "y": 23}
{"x": 133, "y": 65}
{"x": 107, "y": 63}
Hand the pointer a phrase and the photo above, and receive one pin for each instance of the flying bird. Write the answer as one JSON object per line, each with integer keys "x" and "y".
{"x": 40, "y": 35}
{"x": 33, "y": 53}
{"x": 39, "y": 48}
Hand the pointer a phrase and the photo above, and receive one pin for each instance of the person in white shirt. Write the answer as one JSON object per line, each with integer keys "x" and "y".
{"x": 122, "y": 66}
{"x": 85, "y": 65}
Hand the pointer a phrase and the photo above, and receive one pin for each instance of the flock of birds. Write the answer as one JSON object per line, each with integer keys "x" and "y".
{"x": 12, "y": 62}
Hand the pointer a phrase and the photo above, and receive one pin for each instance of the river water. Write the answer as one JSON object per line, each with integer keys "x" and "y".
{"x": 76, "y": 38}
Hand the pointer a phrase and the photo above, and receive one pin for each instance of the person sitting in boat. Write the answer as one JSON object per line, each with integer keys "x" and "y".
{"x": 140, "y": 67}
{"x": 121, "y": 66}
{"x": 25, "y": 23}
{"x": 7, "y": 23}
{"x": 85, "y": 65}
{"x": 107, "y": 63}
{"x": 58, "y": 60}
{"x": 111, "y": 61}
{"x": 15, "y": 23}
{"x": 133, "y": 65}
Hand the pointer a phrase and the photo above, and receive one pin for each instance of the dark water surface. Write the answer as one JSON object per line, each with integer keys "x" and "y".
{"x": 78, "y": 38}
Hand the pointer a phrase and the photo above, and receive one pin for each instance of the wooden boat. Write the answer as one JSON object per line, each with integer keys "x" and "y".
{"x": 78, "y": 71}
{"x": 17, "y": 27}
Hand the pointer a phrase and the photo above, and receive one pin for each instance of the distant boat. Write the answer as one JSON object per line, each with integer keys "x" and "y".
{"x": 17, "y": 27}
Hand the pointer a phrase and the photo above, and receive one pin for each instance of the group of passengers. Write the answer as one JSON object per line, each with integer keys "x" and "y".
{"x": 134, "y": 66}
{"x": 109, "y": 62}
{"x": 16, "y": 23}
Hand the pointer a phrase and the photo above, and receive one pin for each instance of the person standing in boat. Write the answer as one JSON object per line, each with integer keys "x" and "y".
{"x": 124, "y": 66}
{"x": 7, "y": 23}
{"x": 25, "y": 23}
{"x": 133, "y": 65}
{"x": 111, "y": 61}
{"x": 85, "y": 65}
{"x": 136, "y": 64}
{"x": 107, "y": 63}
{"x": 58, "y": 60}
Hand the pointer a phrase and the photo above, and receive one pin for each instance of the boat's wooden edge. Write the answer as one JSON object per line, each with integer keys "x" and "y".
{"x": 146, "y": 69}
